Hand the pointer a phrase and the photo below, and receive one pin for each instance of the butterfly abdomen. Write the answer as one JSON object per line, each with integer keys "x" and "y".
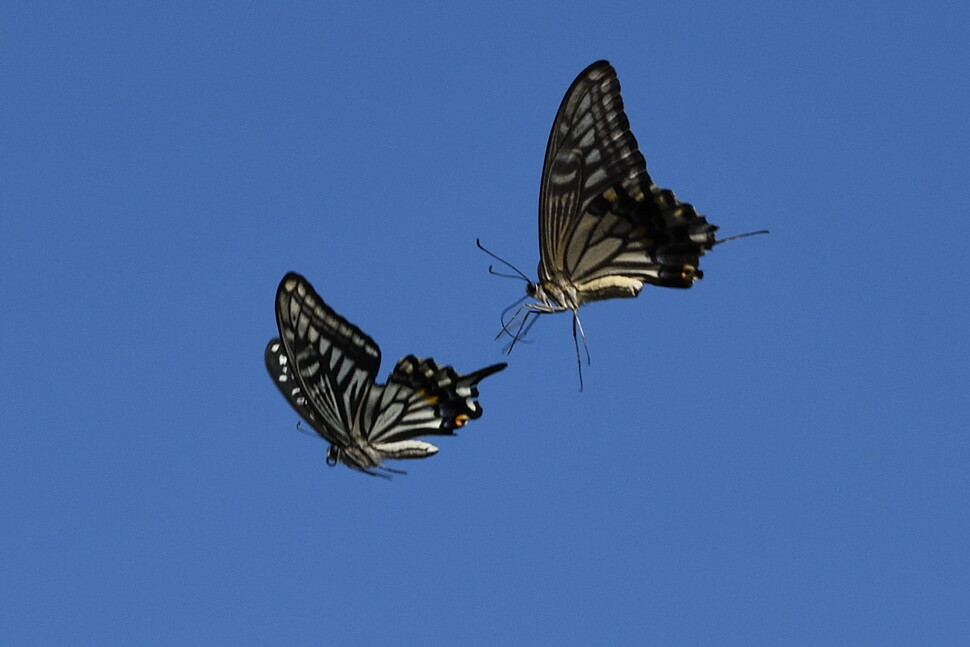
{"x": 609, "y": 287}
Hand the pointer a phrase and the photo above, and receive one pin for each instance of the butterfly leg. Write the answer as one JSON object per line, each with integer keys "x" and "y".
{"x": 528, "y": 328}
{"x": 384, "y": 468}
{"x": 582, "y": 333}
{"x": 506, "y": 324}
{"x": 522, "y": 330}
{"x": 370, "y": 472}
{"x": 579, "y": 360}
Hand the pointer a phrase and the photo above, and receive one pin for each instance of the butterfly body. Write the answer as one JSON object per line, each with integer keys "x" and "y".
{"x": 325, "y": 368}
{"x": 559, "y": 296}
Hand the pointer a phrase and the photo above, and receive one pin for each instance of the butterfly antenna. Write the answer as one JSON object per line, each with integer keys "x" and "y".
{"x": 750, "y": 233}
{"x": 522, "y": 276}
{"x": 491, "y": 270}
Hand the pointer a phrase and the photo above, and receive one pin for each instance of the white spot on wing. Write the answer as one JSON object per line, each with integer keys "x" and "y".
{"x": 597, "y": 177}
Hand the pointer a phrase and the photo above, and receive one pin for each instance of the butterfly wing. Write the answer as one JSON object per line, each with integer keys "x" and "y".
{"x": 324, "y": 365}
{"x": 420, "y": 398}
{"x": 284, "y": 376}
{"x": 604, "y": 226}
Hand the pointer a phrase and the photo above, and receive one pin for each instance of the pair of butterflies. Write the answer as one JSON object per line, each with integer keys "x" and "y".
{"x": 605, "y": 230}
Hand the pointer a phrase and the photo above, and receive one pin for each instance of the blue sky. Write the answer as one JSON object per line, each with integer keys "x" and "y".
{"x": 776, "y": 456}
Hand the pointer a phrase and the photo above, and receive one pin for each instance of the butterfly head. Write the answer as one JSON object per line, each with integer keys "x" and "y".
{"x": 552, "y": 297}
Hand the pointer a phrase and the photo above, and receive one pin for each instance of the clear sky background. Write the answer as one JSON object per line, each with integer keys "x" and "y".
{"x": 778, "y": 456}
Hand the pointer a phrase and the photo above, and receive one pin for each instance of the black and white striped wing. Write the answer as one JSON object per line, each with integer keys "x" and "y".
{"x": 420, "y": 398}
{"x": 285, "y": 378}
{"x": 601, "y": 217}
{"x": 326, "y": 364}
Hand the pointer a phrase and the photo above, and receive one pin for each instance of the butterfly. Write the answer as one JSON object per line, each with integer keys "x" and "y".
{"x": 605, "y": 228}
{"x": 325, "y": 367}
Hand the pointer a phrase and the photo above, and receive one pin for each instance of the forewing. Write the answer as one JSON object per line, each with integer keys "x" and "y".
{"x": 600, "y": 214}
{"x": 284, "y": 376}
{"x": 333, "y": 361}
{"x": 421, "y": 398}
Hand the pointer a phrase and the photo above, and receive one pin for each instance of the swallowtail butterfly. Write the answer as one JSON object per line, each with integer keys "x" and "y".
{"x": 325, "y": 367}
{"x": 605, "y": 228}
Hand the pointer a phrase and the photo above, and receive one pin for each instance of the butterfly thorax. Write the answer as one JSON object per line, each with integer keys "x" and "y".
{"x": 364, "y": 456}
{"x": 359, "y": 457}
{"x": 552, "y": 297}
